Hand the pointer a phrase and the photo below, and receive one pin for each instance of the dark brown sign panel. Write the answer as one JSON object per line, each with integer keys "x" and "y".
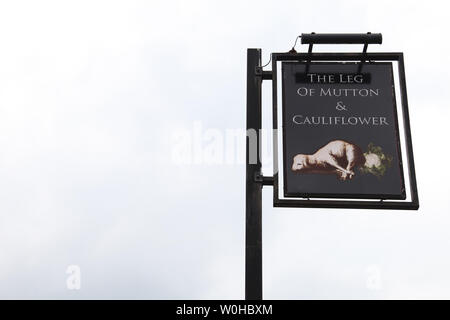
{"x": 340, "y": 131}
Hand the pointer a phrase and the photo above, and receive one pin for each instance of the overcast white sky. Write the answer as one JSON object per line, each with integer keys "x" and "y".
{"x": 91, "y": 93}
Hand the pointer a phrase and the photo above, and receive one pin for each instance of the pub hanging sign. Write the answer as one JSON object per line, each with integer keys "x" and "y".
{"x": 340, "y": 131}
{"x": 341, "y": 120}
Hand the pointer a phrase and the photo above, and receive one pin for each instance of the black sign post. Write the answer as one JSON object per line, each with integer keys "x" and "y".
{"x": 253, "y": 203}
{"x": 340, "y": 136}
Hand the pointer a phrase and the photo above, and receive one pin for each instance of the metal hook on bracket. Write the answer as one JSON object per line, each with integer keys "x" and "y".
{"x": 363, "y": 55}
{"x": 310, "y": 45}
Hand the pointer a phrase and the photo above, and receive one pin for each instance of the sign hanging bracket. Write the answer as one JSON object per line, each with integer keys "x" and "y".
{"x": 341, "y": 38}
{"x": 264, "y": 180}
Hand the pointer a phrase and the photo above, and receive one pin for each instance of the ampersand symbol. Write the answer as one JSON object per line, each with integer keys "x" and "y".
{"x": 341, "y": 106}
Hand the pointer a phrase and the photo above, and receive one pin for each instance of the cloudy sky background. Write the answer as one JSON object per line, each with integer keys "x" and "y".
{"x": 91, "y": 94}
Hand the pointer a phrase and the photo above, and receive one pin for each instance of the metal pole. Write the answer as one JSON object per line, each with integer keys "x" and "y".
{"x": 253, "y": 208}
{"x": 342, "y": 38}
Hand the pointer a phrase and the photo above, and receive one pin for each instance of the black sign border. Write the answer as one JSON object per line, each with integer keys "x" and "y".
{"x": 401, "y": 196}
{"x": 351, "y": 204}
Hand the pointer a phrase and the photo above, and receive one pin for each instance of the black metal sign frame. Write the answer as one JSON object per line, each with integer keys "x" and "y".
{"x": 413, "y": 204}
